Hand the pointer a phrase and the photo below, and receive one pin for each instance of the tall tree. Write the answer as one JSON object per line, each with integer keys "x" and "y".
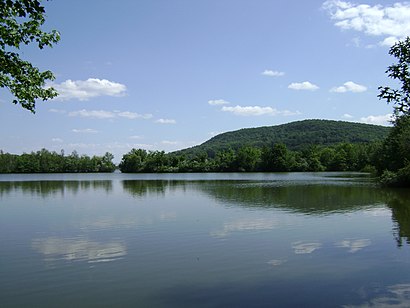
{"x": 400, "y": 72}
{"x": 275, "y": 158}
{"x": 395, "y": 164}
{"x": 20, "y": 24}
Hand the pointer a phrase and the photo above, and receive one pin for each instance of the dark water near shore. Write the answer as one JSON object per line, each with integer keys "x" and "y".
{"x": 203, "y": 240}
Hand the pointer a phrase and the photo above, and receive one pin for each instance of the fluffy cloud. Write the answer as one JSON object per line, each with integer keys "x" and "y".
{"x": 57, "y": 110}
{"x": 97, "y": 114}
{"x": 85, "y": 89}
{"x": 217, "y": 102}
{"x": 135, "y": 137}
{"x": 213, "y": 134}
{"x": 349, "y": 86}
{"x": 347, "y": 116}
{"x": 168, "y": 142}
{"x": 104, "y": 114}
{"x": 256, "y": 111}
{"x": 85, "y": 131}
{"x": 134, "y": 115}
{"x": 378, "y": 120}
{"x": 306, "y": 85}
{"x": 390, "y": 22}
{"x": 271, "y": 73}
{"x": 166, "y": 121}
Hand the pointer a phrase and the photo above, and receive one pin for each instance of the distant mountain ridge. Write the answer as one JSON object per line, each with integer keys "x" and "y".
{"x": 295, "y": 135}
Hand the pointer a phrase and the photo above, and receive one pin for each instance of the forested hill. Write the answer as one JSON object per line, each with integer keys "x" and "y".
{"x": 295, "y": 135}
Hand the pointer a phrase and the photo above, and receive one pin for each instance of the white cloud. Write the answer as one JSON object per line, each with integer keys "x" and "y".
{"x": 57, "y": 140}
{"x": 143, "y": 146}
{"x": 57, "y": 110}
{"x": 97, "y": 114}
{"x": 390, "y": 41}
{"x": 88, "y": 146}
{"x": 217, "y": 102}
{"x": 390, "y": 22}
{"x": 347, "y": 116}
{"x": 349, "y": 86}
{"x": 135, "y": 137}
{"x": 167, "y": 142}
{"x": 213, "y": 134}
{"x": 271, "y": 73}
{"x": 250, "y": 110}
{"x": 85, "y": 131}
{"x": 85, "y": 89}
{"x": 378, "y": 120}
{"x": 306, "y": 85}
{"x": 134, "y": 115}
{"x": 104, "y": 114}
{"x": 257, "y": 111}
{"x": 288, "y": 113}
{"x": 166, "y": 121}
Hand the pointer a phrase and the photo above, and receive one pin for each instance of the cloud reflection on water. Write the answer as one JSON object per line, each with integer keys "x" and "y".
{"x": 257, "y": 224}
{"x": 79, "y": 249}
{"x": 276, "y": 262}
{"x": 396, "y": 296}
{"x": 305, "y": 248}
{"x": 354, "y": 245}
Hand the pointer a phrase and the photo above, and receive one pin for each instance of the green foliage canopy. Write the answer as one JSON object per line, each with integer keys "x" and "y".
{"x": 394, "y": 157}
{"x": 399, "y": 71}
{"x": 296, "y": 136}
{"x": 20, "y": 24}
{"x": 44, "y": 161}
{"x": 277, "y": 158}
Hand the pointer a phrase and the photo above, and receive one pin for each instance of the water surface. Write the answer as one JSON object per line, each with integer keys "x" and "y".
{"x": 203, "y": 240}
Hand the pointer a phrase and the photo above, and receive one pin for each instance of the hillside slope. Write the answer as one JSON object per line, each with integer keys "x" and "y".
{"x": 295, "y": 135}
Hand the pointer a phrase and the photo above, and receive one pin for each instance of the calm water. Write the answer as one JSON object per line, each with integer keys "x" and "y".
{"x": 203, "y": 240}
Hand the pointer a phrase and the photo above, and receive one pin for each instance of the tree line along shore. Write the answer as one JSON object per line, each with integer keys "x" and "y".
{"x": 389, "y": 159}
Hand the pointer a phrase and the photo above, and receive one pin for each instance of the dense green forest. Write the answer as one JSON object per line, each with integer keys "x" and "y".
{"x": 44, "y": 161}
{"x": 275, "y": 158}
{"x": 333, "y": 146}
{"x": 365, "y": 151}
{"x": 310, "y": 145}
{"x": 295, "y": 135}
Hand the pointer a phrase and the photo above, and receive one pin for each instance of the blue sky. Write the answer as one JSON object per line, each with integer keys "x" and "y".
{"x": 170, "y": 74}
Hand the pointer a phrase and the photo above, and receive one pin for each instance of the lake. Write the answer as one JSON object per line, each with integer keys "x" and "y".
{"x": 203, "y": 240}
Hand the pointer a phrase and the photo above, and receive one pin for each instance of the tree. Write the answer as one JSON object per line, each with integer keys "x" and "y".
{"x": 275, "y": 158}
{"x": 399, "y": 71}
{"x": 106, "y": 163}
{"x": 247, "y": 158}
{"x": 156, "y": 161}
{"x": 225, "y": 160}
{"x": 395, "y": 153}
{"x": 133, "y": 161}
{"x": 20, "y": 24}
{"x": 396, "y": 148}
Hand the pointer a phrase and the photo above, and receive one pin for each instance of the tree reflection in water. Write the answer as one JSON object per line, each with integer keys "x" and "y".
{"x": 398, "y": 201}
{"x": 47, "y": 188}
{"x": 307, "y": 199}
{"x": 317, "y": 199}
